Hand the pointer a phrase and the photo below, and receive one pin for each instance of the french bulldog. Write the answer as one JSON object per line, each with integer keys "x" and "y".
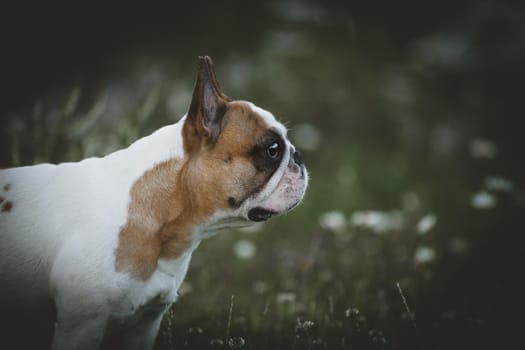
{"x": 95, "y": 251}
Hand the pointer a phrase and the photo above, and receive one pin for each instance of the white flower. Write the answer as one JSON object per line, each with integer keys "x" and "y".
{"x": 483, "y": 200}
{"x": 244, "y": 249}
{"x": 498, "y": 183}
{"x": 333, "y": 220}
{"x": 378, "y": 221}
{"x": 424, "y": 255}
{"x": 483, "y": 148}
{"x": 285, "y": 297}
{"x": 426, "y": 223}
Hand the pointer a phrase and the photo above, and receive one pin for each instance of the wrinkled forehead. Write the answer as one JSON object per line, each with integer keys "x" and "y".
{"x": 267, "y": 118}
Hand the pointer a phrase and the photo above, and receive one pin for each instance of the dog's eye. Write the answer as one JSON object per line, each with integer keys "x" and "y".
{"x": 274, "y": 151}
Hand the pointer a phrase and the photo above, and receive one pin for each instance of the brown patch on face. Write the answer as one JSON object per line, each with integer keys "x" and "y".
{"x": 7, "y": 206}
{"x": 241, "y": 130}
{"x": 224, "y": 173}
{"x": 174, "y": 196}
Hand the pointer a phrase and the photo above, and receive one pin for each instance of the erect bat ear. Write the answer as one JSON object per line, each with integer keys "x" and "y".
{"x": 208, "y": 105}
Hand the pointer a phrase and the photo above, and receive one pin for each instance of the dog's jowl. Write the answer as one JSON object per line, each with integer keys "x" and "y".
{"x": 91, "y": 253}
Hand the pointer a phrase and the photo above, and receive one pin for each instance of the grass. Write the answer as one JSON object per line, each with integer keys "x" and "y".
{"x": 307, "y": 301}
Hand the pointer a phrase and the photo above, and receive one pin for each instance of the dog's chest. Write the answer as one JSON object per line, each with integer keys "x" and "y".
{"x": 161, "y": 288}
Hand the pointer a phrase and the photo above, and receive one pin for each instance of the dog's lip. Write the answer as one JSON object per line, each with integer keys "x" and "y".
{"x": 294, "y": 205}
{"x": 258, "y": 214}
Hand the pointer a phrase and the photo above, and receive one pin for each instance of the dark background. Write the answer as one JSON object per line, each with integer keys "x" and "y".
{"x": 406, "y": 109}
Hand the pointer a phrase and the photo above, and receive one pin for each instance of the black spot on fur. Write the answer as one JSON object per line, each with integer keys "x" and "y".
{"x": 7, "y": 187}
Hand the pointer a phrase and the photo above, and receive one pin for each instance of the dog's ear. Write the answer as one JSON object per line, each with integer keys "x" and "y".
{"x": 207, "y": 108}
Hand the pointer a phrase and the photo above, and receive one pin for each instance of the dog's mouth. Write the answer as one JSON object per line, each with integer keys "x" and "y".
{"x": 258, "y": 214}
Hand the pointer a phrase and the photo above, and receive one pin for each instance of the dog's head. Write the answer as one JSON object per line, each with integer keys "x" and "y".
{"x": 241, "y": 166}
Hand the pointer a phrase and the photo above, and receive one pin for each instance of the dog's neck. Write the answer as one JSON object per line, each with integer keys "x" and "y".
{"x": 163, "y": 212}
{"x": 143, "y": 168}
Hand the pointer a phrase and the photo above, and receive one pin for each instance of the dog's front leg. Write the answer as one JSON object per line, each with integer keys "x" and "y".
{"x": 143, "y": 335}
{"x": 83, "y": 298}
{"x": 76, "y": 331}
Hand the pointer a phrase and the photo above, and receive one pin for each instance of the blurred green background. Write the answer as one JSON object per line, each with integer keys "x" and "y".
{"x": 409, "y": 116}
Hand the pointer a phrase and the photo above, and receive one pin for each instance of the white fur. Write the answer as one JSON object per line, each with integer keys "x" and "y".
{"x": 59, "y": 239}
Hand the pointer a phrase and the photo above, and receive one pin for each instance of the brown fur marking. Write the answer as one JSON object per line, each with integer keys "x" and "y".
{"x": 174, "y": 196}
{"x": 7, "y": 206}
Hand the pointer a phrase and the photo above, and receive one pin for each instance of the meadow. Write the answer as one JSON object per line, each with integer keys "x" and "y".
{"x": 411, "y": 232}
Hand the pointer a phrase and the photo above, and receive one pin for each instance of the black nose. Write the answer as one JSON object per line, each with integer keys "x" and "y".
{"x": 297, "y": 158}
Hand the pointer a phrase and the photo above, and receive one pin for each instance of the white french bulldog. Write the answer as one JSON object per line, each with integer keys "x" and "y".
{"x": 92, "y": 252}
